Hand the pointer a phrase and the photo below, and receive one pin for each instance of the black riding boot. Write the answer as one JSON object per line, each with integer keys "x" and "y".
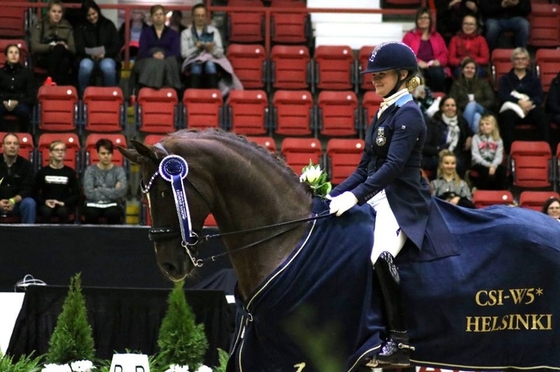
{"x": 396, "y": 349}
{"x": 212, "y": 81}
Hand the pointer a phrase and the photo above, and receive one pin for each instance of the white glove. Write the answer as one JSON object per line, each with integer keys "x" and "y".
{"x": 343, "y": 202}
{"x": 328, "y": 197}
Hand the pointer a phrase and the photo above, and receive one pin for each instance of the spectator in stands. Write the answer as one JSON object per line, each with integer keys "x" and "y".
{"x": 57, "y": 190}
{"x": 430, "y": 49}
{"x": 157, "y": 64}
{"x": 447, "y": 130}
{"x": 506, "y": 15}
{"x": 97, "y": 46}
{"x": 553, "y": 100}
{"x": 487, "y": 150}
{"x": 425, "y": 99}
{"x": 176, "y": 21}
{"x": 16, "y": 182}
{"x": 520, "y": 92}
{"x": 450, "y": 13}
{"x": 18, "y": 91}
{"x": 52, "y": 44}
{"x": 201, "y": 46}
{"x": 474, "y": 95}
{"x": 105, "y": 186}
{"x": 469, "y": 43}
{"x": 449, "y": 185}
{"x": 136, "y": 24}
{"x": 551, "y": 207}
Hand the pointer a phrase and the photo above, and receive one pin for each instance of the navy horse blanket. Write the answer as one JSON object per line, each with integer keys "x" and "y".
{"x": 487, "y": 301}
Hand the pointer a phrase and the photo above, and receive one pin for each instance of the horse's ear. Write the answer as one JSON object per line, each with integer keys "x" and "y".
{"x": 139, "y": 154}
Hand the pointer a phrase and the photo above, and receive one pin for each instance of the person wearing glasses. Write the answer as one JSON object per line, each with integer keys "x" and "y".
{"x": 468, "y": 43}
{"x": 521, "y": 95}
{"x": 552, "y": 208}
{"x": 57, "y": 190}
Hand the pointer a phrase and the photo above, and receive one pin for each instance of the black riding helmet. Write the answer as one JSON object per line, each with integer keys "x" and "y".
{"x": 393, "y": 55}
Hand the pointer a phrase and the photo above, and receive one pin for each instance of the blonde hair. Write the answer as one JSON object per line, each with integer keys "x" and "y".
{"x": 413, "y": 83}
{"x": 492, "y": 119}
{"x": 442, "y": 155}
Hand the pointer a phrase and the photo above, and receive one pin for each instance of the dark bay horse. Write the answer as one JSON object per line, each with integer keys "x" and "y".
{"x": 306, "y": 293}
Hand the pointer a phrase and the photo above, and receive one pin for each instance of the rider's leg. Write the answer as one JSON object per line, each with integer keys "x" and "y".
{"x": 388, "y": 242}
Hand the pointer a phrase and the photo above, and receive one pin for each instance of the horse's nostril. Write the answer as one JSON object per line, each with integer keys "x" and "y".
{"x": 169, "y": 268}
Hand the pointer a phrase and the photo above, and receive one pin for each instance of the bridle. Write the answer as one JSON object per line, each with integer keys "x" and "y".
{"x": 174, "y": 169}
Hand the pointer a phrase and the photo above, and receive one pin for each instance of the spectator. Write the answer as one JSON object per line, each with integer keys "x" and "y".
{"x": 16, "y": 182}
{"x": 105, "y": 186}
{"x": 157, "y": 64}
{"x": 506, "y": 15}
{"x": 521, "y": 94}
{"x": 425, "y": 99}
{"x": 56, "y": 186}
{"x": 52, "y": 44}
{"x": 449, "y": 185}
{"x": 469, "y": 43}
{"x": 176, "y": 21}
{"x": 553, "y": 100}
{"x": 552, "y": 208}
{"x": 430, "y": 50}
{"x": 136, "y": 24}
{"x": 18, "y": 90}
{"x": 487, "y": 150}
{"x": 450, "y": 13}
{"x": 97, "y": 46}
{"x": 447, "y": 130}
{"x": 474, "y": 95}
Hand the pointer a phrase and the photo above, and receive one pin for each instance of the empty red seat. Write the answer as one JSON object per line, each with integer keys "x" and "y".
{"x": 157, "y": 110}
{"x": 249, "y": 64}
{"x": 265, "y": 141}
{"x": 152, "y": 139}
{"x": 535, "y": 199}
{"x": 337, "y": 113}
{"x": 370, "y": 104}
{"x": 298, "y": 152}
{"x": 548, "y": 65}
{"x": 293, "y": 112}
{"x": 58, "y": 108}
{"x": 486, "y": 198}
{"x": 91, "y": 156}
{"x": 544, "y": 22}
{"x": 290, "y": 67}
{"x": 364, "y": 81}
{"x": 103, "y": 109}
{"x": 13, "y": 22}
{"x": 344, "y": 156}
{"x": 288, "y": 25}
{"x": 248, "y": 112}
{"x": 531, "y": 164}
{"x": 73, "y": 149}
{"x": 244, "y": 26}
{"x": 334, "y": 67}
{"x": 202, "y": 108}
{"x": 500, "y": 64}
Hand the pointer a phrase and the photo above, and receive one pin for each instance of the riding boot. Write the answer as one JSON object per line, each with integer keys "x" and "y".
{"x": 212, "y": 81}
{"x": 396, "y": 349}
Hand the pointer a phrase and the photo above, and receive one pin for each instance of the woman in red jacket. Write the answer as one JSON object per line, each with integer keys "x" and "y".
{"x": 430, "y": 50}
{"x": 469, "y": 43}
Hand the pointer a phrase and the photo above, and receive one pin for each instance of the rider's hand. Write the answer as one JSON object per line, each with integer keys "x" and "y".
{"x": 343, "y": 202}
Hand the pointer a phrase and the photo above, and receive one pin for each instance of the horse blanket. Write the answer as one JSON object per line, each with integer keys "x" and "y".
{"x": 490, "y": 303}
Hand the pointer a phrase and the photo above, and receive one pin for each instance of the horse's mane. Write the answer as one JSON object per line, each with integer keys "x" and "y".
{"x": 221, "y": 135}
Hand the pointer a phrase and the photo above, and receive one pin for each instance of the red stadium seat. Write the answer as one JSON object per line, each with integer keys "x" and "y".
{"x": 202, "y": 108}
{"x": 58, "y": 108}
{"x": 548, "y": 65}
{"x": 12, "y": 22}
{"x": 290, "y": 67}
{"x": 152, "y": 139}
{"x": 531, "y": 164}
{"x": 334, "y": 67}
{"x": 500, "y": 64}
{"x": 370, "y": 104}
{"x": 103, "y": 109}
{"x": 364, "y": 81}
{"x": 338, "y": 113}
{"x": 289, "y": 27}
{"x": 248, "y": 112}
{"x": 91, "y": 156}
{"x": 344, "y": 156}
{"x": 243, "y": 26}
{"x": 544, "y": 22}
{"x": 298, "y": 152}
{"x": 73, "y": 149}
{"x": 486, "y": 198}
{"x": 293, "y": 112}
{"x": 266, "y": 142}
{"x": 157, "y": 110}
{"x": 249, "y": 64}
{"x": 26, "y": 145}
{"x": 535, "y": 199}
{"x": 22, "y": 45}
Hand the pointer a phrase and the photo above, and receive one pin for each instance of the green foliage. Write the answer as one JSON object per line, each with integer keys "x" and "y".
{"x": 181, "y": 341}
{"x": 72, "y": 337}
{"x": 316, "y": 179}
{"x": 24, "y": 364}
{"x": 223, "y": 358}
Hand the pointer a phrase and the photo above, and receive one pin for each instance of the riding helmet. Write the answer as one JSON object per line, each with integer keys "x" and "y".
{"x": 391, "y": 55}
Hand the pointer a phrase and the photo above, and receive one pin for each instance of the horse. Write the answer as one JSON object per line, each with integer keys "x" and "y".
{"x": 306, "y": 295}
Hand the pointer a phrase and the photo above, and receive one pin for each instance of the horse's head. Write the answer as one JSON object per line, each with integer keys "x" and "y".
{"x": 174, "y": 227}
